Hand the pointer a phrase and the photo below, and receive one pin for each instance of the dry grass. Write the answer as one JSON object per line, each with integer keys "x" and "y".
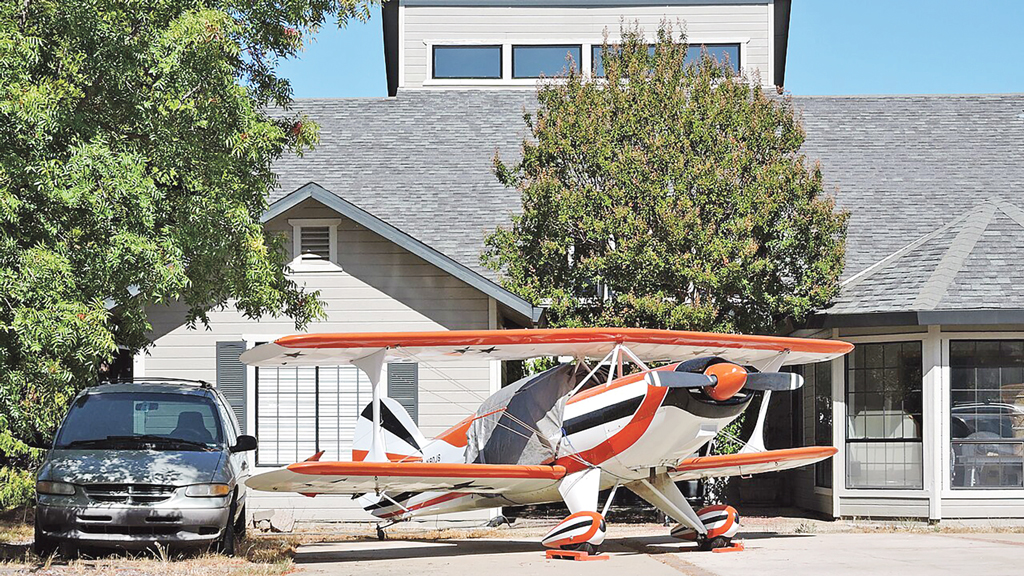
{"x": 257, "y": 555}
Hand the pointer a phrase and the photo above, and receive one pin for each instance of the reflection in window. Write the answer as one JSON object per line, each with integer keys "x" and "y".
{"x": 726, "y": 54}
{"x": 537, "y": 61}
{"x": 883, "y": 428}
{"x": 467, "y": 62}
{"x": 987, "y": 413}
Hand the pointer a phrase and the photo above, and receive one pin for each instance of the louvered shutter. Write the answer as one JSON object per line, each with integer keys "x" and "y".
{"x": 404, "y": 386}
{"x": 231, "y": 378}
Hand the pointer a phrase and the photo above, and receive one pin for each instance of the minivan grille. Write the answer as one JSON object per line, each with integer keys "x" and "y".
{"x": 129, "y": 493}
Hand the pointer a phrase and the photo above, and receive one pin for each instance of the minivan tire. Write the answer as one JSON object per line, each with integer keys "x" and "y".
{"x": 226, "y": 544}
{"x": 43, "y": 545}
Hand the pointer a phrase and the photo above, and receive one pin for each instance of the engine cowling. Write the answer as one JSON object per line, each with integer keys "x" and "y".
{"x": 576, "y": 529}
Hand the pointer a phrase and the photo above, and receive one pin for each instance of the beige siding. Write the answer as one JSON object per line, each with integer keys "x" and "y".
{"x": 983, "y": 508}
{"x": 747, "y": 24}
{"x": 378, "y": 287}
{"x": 875, "y": 507}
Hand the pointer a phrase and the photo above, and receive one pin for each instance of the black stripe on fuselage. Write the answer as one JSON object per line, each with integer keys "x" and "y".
{"x": 384, "y": 502}
{"x": 602, "y": 415}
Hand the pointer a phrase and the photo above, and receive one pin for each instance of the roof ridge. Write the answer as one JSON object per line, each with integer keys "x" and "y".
{"x": 952, "y": 261}
{"x": 882, "y": 264}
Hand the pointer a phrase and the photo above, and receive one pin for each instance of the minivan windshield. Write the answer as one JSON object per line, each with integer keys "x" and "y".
{"x": 135, "y": 420}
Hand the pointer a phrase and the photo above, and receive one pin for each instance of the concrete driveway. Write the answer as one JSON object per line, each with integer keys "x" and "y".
{"x": 655, "y": 554}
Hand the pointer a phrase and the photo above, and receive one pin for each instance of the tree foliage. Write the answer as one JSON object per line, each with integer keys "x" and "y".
{"x": 136, "y": 161}
{"x": 667, "y": 195}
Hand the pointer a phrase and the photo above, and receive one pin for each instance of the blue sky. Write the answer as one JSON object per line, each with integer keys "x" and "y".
{"x": 835, "y": 47}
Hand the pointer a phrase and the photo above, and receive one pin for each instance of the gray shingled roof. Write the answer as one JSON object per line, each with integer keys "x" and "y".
{"x": 935, "y": 184}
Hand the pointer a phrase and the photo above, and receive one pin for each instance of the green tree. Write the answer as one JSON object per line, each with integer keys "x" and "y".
{"x": 136, "y": 144}
{"x": 667, "y": 195}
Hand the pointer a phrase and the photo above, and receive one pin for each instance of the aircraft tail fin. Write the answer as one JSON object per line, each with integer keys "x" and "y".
{"x": 403, "y": 440}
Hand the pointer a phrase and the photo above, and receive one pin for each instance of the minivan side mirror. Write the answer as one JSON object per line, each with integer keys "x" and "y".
{"x": 244, "y": 443}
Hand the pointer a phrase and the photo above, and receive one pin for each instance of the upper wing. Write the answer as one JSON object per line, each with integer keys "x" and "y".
{"x": 648, "y": 345}
{"x": 366, "y": 477}
{"x": 749, "y": 463}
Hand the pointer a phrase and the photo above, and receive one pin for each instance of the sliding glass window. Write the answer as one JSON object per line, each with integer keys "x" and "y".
{"x": 467, "y": 62}
{"x": 883, "y": 405}
{"x": 534, "y": 61}
{"x": 725, "y": 54}
{"x": 987, "y": 413}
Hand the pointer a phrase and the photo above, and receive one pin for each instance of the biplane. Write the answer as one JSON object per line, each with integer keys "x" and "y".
{"x": 605, "y": 419}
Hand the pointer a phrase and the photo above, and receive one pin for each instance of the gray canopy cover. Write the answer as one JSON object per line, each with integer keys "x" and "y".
{"x": 526, "y": 423}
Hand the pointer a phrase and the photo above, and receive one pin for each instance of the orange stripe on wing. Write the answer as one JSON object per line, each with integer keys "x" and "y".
{"x": 728, "y": 460}
{"x": 428, "y": 470}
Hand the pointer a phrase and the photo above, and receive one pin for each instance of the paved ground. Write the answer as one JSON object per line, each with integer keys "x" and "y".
{"x": 648, "y": 552}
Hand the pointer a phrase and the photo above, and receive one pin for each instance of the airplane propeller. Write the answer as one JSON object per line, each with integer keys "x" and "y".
{"x": 721, "y": 380}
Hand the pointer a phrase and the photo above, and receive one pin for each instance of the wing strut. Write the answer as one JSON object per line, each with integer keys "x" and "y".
{"x": 371, "y": 364}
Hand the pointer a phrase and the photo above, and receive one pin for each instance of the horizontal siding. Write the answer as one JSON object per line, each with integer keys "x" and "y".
{"x": 983, "y": 508}
{"x": 379, "y": 287}
{"x": 874, "y": 507}
{"x": 425, "y": 25}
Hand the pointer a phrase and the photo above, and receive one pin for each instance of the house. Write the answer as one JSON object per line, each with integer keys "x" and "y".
{"x": 387, "y": 217}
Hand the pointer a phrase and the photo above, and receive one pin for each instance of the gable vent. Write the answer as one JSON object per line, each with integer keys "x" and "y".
{"x": 315, "y": 242}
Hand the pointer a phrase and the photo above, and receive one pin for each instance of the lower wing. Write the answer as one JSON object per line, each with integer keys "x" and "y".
{"x": 749, "y": 463}
{"x": 365, "y": 477}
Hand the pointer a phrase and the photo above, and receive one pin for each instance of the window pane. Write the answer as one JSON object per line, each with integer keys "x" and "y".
{"x": 987, "y": 413}
{"x": 725, "y": 54}
{"x": 883, "y": 395}
{"x": 535, "y": 61}
{"x": 884, "y": 465}
{"x": 467, "y": 62}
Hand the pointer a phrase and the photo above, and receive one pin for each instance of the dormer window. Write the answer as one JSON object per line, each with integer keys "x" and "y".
{"x": 534, "y": 61}
{"x": 727, "y": 55}
{"x": 315, "y": 243}
{"x": 467, "y": 62}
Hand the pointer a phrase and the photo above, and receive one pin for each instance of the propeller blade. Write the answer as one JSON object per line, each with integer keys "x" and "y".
{"x": 681, "y": 379}
{"x": 774, "y": 381}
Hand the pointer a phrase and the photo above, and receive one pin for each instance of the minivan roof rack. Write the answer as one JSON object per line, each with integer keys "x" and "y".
{"x": 144, "y": 379}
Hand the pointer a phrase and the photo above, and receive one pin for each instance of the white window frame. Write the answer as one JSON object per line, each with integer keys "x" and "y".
{"x": 586, "y": 56}
{"x": 298, "y": 264}
{"x": 944, "y": 468}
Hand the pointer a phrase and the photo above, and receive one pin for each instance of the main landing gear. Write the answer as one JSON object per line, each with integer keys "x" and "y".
{"x": 721, "y": 523}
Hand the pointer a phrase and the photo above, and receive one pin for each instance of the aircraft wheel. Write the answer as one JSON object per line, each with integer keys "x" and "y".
{"x": 583, "y": 547}
{"x": 381, "y": 534}
{"x": 708, "y": 544}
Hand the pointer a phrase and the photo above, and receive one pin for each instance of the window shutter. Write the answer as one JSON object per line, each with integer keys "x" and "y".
{"x": 404, "y": 386}
{"x": 231, "y": 378}
{"x": 315, "y": 242}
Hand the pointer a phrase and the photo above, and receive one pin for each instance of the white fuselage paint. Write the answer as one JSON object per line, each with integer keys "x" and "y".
{"x": 635, "y": 444}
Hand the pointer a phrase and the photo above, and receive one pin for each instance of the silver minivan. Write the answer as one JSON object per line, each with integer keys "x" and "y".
{"x": 136, "y": 465}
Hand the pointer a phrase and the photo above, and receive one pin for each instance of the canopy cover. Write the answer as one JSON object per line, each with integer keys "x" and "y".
{"x": 522, "y": 422}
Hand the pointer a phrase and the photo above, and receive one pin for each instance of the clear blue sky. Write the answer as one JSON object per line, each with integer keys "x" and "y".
{"x": 835, "y": 47}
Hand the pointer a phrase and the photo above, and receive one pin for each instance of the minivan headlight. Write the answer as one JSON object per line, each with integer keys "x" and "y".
{"x": 207, "y": 490}
{"x": 55, "y": 488}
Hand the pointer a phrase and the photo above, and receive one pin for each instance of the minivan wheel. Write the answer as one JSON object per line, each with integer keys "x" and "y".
{"x": 226, "y": 544}
{"x": 43, "y": 546}
{"x": 241, "y": 523}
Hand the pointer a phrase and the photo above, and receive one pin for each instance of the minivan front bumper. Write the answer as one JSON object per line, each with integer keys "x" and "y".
{"x": 178, "y": 522}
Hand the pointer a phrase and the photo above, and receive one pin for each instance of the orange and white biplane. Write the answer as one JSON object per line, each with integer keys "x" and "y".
{"x": 560, "y": 435}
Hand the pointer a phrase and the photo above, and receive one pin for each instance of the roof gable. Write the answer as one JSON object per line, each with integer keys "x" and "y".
{"x": 521, "y": 310}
